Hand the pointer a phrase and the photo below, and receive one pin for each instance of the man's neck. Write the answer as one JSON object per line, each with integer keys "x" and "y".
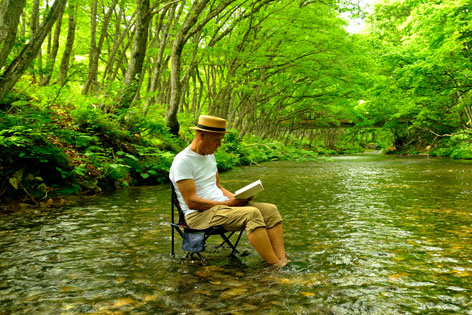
{"x": 194, "y": 147}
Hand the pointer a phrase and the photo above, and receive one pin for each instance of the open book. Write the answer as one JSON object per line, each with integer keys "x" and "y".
{"x": 249, "y": 190}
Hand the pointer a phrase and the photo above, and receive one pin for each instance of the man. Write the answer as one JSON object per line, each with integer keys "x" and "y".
{"x": 206, "y": 203}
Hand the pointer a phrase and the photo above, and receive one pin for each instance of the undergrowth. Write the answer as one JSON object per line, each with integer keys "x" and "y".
{"x": 47, "y": 153}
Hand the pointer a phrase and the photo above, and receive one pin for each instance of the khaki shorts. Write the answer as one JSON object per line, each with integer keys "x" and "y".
{"x": 250, "y": 217}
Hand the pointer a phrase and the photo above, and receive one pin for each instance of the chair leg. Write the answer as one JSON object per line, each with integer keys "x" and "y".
{"x": 227, "y": 241}
{"x": 173, "y": 237}
{"x": 224, "y": 241}
{"x": 235, "y": 251}
{"x": 175, "y": 228}
{"x": 190, "y": 256}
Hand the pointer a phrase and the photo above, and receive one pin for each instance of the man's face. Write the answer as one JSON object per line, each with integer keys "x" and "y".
{"x": 211, "y": 141}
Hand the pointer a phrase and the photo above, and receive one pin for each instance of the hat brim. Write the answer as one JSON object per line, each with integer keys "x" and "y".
{"x": 208, "y": 130}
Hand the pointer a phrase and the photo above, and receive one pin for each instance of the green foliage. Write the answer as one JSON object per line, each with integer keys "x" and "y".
{"x": 151, "y": 167}
{"x": 297, "y": 64}
{"x": 230, "y": 153}
{"x": 253, "y": 150}
{"x": 423, "y": 71}
{"x": 28, "y": 155}
{"x": 48, "y": 153}
{"x": 457, "y": 146}
{"x": 289, "y": 62}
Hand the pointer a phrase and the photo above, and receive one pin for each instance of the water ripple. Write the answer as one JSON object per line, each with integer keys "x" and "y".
{"x": 366, "y": 235}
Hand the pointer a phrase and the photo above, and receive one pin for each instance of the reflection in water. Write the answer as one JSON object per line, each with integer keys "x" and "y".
{"x": 366, "y": 234}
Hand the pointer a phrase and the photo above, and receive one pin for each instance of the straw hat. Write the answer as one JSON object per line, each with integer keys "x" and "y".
{"x": 211, "y": 124}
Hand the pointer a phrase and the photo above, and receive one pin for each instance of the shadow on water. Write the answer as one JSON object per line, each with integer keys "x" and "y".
{"x": 366, "y": 234}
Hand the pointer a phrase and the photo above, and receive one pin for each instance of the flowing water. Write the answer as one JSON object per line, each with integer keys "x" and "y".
{"x": 366, "y": 234}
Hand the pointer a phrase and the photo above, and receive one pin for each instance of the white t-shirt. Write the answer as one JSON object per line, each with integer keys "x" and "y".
{"x": 202, "y": 169}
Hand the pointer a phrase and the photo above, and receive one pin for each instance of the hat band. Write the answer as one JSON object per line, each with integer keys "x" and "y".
{"x": 210, "y": 128}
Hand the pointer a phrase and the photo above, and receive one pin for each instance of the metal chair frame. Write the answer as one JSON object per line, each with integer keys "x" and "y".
{"x": 181, "y": 227}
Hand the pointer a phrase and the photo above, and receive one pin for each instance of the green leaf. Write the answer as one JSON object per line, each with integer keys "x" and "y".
{"x": 20, "y": 103}
{"x": 79, "y": 171}
{"x": 131, "y": 156}
{"x": 14, "y": 182}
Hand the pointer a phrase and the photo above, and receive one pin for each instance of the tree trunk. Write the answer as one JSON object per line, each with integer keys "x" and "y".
{"x": 90, "y": 82}
{"x": 53, "y": 53}
{"x": 118, "y": 38}
{"x": 157, "y": 69}
{"x": 19, "y": 65}
{"x": 135, "y": 66}
{"x": 176, "y": 56}
{"x": 122, "y": 60}
{"x": 189, "y": 28}
{"x": 65, "y": 62}
{"x": 33, "y": 27}
{"x": 468, "y": 112}
{"x": 10, "y": 12}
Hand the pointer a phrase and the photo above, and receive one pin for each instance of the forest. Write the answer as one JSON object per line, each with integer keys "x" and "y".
{"x": 99, "y": 94}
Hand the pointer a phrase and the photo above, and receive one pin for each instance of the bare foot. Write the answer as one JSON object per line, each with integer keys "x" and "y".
{"x": 286, "y": 260}
{"x": 282, "y": 263}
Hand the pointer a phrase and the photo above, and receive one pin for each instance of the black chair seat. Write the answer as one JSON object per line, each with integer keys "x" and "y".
{"x": 193, "y": 240}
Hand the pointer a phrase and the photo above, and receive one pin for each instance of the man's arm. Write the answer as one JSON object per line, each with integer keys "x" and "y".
{"x": 226, "y": 192}
{"x": 189, "y": 193}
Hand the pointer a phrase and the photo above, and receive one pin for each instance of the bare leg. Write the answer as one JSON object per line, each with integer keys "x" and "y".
{"x": 276, "y": 237}
{"x": 259, "y": 239}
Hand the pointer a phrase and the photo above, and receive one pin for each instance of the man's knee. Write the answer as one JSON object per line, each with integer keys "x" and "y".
{"x": 272, "y": 209}
{"x": 253, "y": 213}
{"x": 253, "y": 219}
{"x": 270, "y": 213}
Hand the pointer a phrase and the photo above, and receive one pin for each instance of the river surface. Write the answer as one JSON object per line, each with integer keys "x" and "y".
{"x": 366, "y": 234}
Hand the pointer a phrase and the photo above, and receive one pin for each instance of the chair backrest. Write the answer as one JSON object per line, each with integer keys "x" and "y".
{"x": 176, "y": 204}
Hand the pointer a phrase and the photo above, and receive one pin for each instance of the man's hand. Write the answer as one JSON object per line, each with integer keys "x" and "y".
{"x": 187, "y": 189}
{"x": 233, "y": 202}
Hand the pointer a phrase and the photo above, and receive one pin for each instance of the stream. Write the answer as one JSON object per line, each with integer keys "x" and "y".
{"x": 366, "y": 234}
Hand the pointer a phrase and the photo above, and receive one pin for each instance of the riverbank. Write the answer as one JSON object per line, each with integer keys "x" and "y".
{"x": 47, "y": 154}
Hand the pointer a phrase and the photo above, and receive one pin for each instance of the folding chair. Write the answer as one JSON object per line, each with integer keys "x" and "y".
{"x": 188, "y": 234}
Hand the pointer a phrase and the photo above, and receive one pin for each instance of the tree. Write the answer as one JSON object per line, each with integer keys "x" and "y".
{"x": 424, "y": 54}
{"x": 10, "y": 12}
{"x": 95, "y": 49}
{"x": 279, "y": 67}
{"x": 256, "y": 62}
{"x": 134, "y": 71}
{"x": 189, "y": 27}
{"x": 53, "y": 52}
{"x": 162, "y": 39}
{"x": 93, "y": 54}
{"x": 65, "y": 61}
{"x": 19, "y": 65}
